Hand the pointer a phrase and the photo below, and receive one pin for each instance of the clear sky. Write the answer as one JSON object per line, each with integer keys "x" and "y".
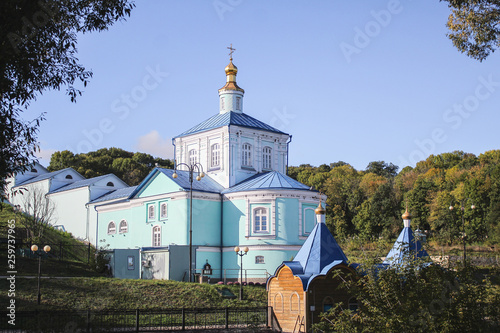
{"x": 356, "y": 81}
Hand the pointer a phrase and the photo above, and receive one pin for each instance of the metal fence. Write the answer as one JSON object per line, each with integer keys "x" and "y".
{"x": 259, "y": 319}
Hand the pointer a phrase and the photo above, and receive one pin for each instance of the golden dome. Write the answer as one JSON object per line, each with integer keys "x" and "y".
{"x": 231, "y": 69}
{"x": 406, "y": 215}
{"x": 319, "y": 210}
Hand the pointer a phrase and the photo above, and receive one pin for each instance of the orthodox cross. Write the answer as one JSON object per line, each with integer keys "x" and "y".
{"x": 231, "y": 52}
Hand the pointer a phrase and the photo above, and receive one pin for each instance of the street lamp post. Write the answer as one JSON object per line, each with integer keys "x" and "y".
{"x": 34, "y": 248}
{"x": 199, "y": 169}
{"x": 241, "y": 253}
{"x": 464, "y": 235}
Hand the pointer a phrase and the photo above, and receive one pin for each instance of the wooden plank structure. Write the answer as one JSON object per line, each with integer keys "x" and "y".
{"x": 303, "y": 288}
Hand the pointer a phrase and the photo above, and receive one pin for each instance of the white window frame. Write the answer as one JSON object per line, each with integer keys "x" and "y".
{"x": 151, "y": 209}
{"x": 156, "y": 236}
{"x": 111, "y": 228}
{"x": 258, "y": 214}
{"x": 246, "y": 155}
{"x": 123, "y": 227}
{"x": 259, "y": 260}
{"x": 215, "y": 155}
{"x": 193, "y": 156}
{"x": 267, "y": 158}
{"x": 163, "y": 215}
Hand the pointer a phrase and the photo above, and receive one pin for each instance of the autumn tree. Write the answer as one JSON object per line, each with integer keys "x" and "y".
{"x": 39, "y": 52}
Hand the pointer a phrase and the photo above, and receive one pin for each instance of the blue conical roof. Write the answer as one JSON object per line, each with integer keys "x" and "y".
{"x": 406, "y": 247}
{"x": 317, "y": 256}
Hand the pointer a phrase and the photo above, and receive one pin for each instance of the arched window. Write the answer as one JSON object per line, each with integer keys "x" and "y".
{"x": 123, "y": 227}
{"x": 259, "y": 259}
{"x": 278, "y": 302}
{"x": 34, "y": 170}
{"x": 294, "y": 303}
{"x": 222, "y": 104}
{"x": 238, "y": 103}
{"x": 267, "y": 158}
{"x": 353, "y": 304}
{"x": 156, "y": 235}
{"x": 110, "y": 184}
{"x": 69, "y": 177}
{"x": 151, "y": 212}
{"x": 327, "y": 304}
{"x": 193, "y": 157}
{"x": 260, "y": 220}
{"x": 111, "y": 228}
{"x": 163, "y": 210}
{"x": 215, "y": 155}
{"x": 246, "y": 155}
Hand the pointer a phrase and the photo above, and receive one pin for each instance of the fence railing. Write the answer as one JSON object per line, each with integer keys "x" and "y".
{"x": 261, "y": 318}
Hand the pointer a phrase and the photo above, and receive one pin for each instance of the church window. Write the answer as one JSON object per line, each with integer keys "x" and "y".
{"x": 259, "y": 259}
{"x": 193, "y": 157}
{"x": 156, "y": 235}
{"x": 163, "y": 210}
{"x": 260, "y": 220}
{"x": 327, "y": 304}
{"x": 110, "y": 184}
{"x": 238, "y": 103}
{"x": 123, "y": 227}
{"x": 246, "y": 155}
{"x": 294, "y": 302}
{"x": 222, "y": 103}
{"x": 278, "y": 302}
{"x": 111, "y": 228}
{"x": 353, "y": 304}
{"x": 34, "y": 170}
{"x": 266, "y": 158}
{"x": 69, "y": 177}
{"x": 215, "y": 155}
{"x": 151, "y": 212}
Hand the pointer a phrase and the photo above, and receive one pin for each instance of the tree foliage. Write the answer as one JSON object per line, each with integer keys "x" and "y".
{"x": 415, "y": 298}
{"x": 369, "y": 203}
{"x": 475, "y": 26}
{"x": 38, "y": 52}
{"x": 132, "y": 168}
{"x": 36, "y": 212}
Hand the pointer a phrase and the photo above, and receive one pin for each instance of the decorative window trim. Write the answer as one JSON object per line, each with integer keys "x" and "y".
{"x": 193, "y": 156}
{"x": 163, "y": 214}
{"x": 111, "y": 228}
{"x": 110, "y": 184}
{"x": 151, "y": 212}
{"x": 278, "y": 304}
{"x": 303, "y": 206}
{"x": 259, "y": 260}
{"x": 215, "y": 156}
{"x": 260, "y": 217}
{"x": 238, "y": 103}
{"x": 68, "y": 177}
{"x": 267, "y": 158}
{"x": 246, "y": 155}
{"x": 156, "y": 236}
{"x": 294, "y": 309}
{"x": 269, "y": 204}
{"x": 123, "y": 227}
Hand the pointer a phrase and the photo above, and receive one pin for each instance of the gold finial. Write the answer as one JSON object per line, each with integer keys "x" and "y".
{"x": 320, "y": 210}
{"x": 231, "y": 52}
{"x": 406, "y": 215}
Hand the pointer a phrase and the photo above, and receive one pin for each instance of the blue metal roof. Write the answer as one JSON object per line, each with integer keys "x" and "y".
{"x": 122, "y": 193}
{"x": 79, "y": 183}
{"x": 268, "y": 180}
{"x": 318, "y": 255}
{"x": 206, "y": 184}
{"x": 406, "y": 247}
{"x": 229, "y": 118}
{"x": 43, "y": 177}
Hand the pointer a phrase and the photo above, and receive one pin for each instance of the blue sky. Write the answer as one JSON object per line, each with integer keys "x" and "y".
{"x": 353, "y": 81}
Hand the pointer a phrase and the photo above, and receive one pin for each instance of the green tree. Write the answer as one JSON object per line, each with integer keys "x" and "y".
{"x": 475, "y": 26}
{"x": 38, "y": 52}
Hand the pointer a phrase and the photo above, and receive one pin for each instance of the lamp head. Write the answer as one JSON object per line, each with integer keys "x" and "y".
{"x": 46, "y": 248}
{"x": 473, "y": 207}
{"x": 236, "y": 249}
{"x": 198, "y": 178}
{"x": 202, "y": 174}
{"x": 34, "y": 247}
{"x": 174, "y": 175}
{"x": 451, "y": 207}
{"x": 245, "y": 249}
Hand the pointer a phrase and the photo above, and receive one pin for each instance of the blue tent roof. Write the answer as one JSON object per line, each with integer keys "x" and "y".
{"x": 405, "y": 247}
{"x": 229, "y": 118}
{"x": 206, "y": 184}
{"x": 268, "y": 180}
{"x": 318, "y": 255}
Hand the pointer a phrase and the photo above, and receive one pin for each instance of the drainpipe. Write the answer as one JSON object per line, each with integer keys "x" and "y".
{"x": 221, "y": 235}
{"x": 96, "y": 227}
{"x": 287, "y": 148}
{"x": 175, "y": 161}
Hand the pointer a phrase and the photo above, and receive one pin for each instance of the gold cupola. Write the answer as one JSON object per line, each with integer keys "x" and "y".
{"x": 231, "y": 95}
{"x": 320, "y": 212}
